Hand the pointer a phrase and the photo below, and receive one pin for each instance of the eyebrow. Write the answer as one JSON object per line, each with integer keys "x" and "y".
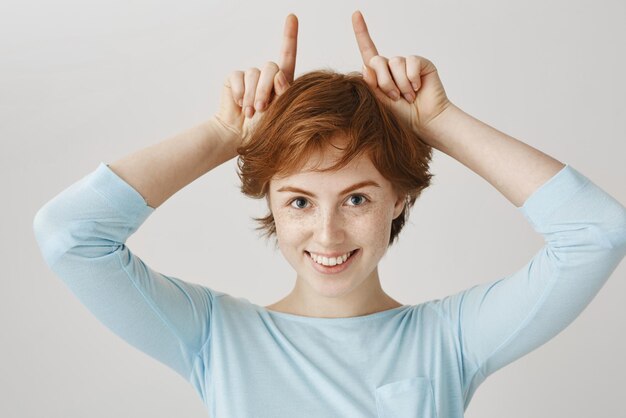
{"x": 344, "y": 191}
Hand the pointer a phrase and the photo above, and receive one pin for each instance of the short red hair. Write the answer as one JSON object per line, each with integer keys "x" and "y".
{"x": 317, "y": 106}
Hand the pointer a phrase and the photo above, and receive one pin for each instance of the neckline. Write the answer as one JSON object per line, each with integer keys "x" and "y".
{"x": 314, "y": 319}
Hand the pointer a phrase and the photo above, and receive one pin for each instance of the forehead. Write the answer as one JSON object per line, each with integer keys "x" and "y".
{"x": 312, "y": 172}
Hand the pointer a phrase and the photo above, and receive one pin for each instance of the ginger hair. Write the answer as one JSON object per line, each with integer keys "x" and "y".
{"x": 301, "y": 122}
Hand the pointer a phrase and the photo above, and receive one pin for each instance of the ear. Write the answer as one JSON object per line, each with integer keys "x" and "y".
{"x": 399, "y": 206}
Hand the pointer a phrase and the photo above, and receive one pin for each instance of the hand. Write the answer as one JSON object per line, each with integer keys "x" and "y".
{"x": 414, "y": 77}
{"x": 247, "y": 94}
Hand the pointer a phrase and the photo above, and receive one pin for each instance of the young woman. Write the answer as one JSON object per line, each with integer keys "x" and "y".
{"x": 340, "y": 160}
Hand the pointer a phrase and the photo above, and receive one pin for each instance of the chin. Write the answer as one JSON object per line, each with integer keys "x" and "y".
{"x": 329, "y": 286}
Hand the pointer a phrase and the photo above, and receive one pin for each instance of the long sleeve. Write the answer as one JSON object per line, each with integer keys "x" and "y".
{"x": 498, "y": 322}
{"x": 82, "y": 233}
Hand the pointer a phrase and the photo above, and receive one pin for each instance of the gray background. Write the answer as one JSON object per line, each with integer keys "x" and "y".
{"x": 89, "y": 82}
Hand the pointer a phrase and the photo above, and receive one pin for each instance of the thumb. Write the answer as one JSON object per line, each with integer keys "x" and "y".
{"x": 226, "y": 99}
{"x": 280, "y": 83}
{"x": 370, "y": 77}
{"x": 229, "y": 111}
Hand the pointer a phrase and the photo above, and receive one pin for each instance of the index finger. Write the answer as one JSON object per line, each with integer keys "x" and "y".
{"x": 289, "y": 49}
{"x": 363, "y": 39}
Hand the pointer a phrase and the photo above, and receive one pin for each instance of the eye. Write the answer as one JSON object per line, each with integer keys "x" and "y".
{"x": 359, "y": 198}
{"x": 298, "y": 203}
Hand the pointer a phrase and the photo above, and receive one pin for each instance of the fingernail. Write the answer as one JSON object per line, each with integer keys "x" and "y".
{"x": 249, "y": 111}
{"x": 395, "y": 95}
{"x": 240, "y": 103}
{"x": 259, "y": 105}
{"x": 409, "y": 97}
{"x": 415, "y": 86}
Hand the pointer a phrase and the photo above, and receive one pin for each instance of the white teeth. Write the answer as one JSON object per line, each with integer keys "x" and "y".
{"x": 332, "y": 261}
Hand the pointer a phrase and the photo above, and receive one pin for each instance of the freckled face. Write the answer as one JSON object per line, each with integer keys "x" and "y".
{"x": 325, "y": 217}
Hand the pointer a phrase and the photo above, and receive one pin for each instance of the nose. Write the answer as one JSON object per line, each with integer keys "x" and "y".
{"x": 330, "y": 229}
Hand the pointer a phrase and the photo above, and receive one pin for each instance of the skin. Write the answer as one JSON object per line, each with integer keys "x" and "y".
{"x": 410, "y": 86}
{"x": 330, "y": 223}
{"x": 514, "y": 168}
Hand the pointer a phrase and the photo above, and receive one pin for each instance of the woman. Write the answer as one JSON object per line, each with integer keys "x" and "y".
{"x": 338, "y": 192}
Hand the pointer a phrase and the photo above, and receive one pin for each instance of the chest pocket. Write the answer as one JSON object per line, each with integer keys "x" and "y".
{"x": 407, "y": 398}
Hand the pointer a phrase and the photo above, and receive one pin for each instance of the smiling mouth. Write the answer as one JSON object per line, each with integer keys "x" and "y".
{"x": 331, "y": 261}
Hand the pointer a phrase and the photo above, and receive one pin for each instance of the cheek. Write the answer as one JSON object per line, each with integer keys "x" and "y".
{"x": 289, "y": 226}
{"x": 370, "y": 225}
{"x": 378, "y": 224}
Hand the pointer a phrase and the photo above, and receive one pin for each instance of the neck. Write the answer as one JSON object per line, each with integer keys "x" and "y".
{"x": 366, "y": 299}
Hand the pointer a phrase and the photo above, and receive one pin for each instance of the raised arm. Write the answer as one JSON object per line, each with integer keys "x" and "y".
{"x": 514, "y": 168}
{"x": 159, "y": 171}
{"x": 584, "y": 228}
{"x": 82, "y": 232}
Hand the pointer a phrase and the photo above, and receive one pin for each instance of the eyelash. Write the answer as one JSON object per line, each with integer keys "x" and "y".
{"x": 365, "y": 200}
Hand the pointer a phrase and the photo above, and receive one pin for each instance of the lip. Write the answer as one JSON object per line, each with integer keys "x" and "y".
{"x": 333, "y": 255}
{"x": 338, "y": 268}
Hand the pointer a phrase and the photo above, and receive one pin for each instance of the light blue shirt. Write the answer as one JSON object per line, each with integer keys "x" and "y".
{"x": 423, "y": 360}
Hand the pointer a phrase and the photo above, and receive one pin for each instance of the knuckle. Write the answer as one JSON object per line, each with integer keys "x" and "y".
{"x": 397, "y": 60}
{"x": 413, "y": 59}
{"x": 271, "y": 65}
{"x": 377, "y": 60}
{"x": 237, "y": 90}
{"x": 234, "y": 76}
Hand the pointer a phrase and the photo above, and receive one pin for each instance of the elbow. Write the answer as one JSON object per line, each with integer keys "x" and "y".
{"x": 619, "y": 237}
{"x": 47, "y": 234}
{"x": 610, "y": 239}
{"x": 617, "y": 234}
{"x": 610, "y": 234}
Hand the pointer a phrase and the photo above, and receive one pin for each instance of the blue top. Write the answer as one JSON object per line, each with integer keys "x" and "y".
{"x": 243, "y": 360}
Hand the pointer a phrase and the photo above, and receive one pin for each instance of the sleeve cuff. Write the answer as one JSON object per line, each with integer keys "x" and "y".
{"x": 555, "y": 192}
{"x": 120, "y": 195}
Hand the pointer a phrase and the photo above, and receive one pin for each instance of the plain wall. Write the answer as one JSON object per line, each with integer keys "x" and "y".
{"x": 89, "y": 82}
